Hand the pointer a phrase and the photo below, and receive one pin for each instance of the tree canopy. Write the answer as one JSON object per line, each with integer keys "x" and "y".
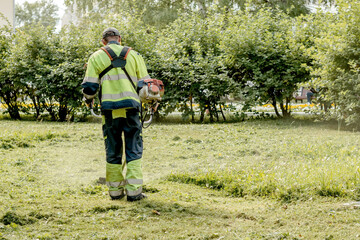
{"x": 162, "y": 12}
{"x": 337, "y": 55}
{"x": 43, "y": 12}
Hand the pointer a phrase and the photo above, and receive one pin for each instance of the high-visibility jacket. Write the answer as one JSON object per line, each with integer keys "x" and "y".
{"x": 116, "y": 90}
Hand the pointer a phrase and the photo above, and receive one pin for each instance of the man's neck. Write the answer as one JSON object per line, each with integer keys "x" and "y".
{"x": 113, "y": 42}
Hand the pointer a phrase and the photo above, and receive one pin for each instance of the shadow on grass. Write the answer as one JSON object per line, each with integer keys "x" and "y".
{"x": 306, "y": 121}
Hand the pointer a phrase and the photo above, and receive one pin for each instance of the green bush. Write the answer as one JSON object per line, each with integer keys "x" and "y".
{"x": 265, "y": 53}
{"x": 337, "y": 71}
{"x": 261, "y": 55}
{"x": 10, "y": 89}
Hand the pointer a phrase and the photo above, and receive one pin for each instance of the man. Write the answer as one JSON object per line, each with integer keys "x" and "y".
{"x": 310, "y": 94}
{"x": 120, "y": 107}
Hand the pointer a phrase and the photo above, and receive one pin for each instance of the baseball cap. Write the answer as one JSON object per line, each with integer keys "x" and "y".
{"x": 110, "y": 32}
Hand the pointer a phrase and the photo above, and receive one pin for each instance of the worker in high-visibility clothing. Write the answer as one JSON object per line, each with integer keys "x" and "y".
{"x": 120, "y": 106}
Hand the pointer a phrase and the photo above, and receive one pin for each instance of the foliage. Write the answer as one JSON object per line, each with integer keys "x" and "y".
{"x": 49, "y": 67}
{"x": 10, "y": 90}
{"x": 338, "y": 60}
{"x": 188, "y": 59}
{"x": 163, "y": 12}
{"x": 28, "y": 62}
{"x": 291, "y": 7}
{"x": 265, "y": 55}
{"x": 42, "y": 12}
{"x": 213, "y": 50}
{"x": 67, "y": 70}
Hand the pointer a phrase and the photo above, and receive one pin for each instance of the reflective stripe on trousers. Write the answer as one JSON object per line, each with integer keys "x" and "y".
{"x": 123, "y": 183}
{"x": 116, "y": 182}
{"x": 116, "y": 193}
{"x": 117, "y": 188}
{"x": 134, "y": 193}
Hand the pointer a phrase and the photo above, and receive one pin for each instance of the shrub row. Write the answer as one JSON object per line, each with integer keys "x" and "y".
{"x": 259, "y": 57}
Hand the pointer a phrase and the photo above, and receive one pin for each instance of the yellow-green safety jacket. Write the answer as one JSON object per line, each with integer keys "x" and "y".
{"x": 116, "y": 90}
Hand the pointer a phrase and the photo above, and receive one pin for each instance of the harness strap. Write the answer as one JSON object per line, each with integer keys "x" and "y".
{"x": 107, "y": 52}
{"x": 105, "y": 71}
{"x": 116, "y": 61}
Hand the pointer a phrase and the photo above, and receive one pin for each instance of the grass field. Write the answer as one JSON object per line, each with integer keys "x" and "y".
{"x": 259, "y": 179}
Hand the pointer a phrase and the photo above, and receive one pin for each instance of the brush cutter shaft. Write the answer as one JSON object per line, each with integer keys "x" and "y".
{"x": 94, "y": 114}
{"x": 150, "y": 110}
{"x": 149, "y": 120}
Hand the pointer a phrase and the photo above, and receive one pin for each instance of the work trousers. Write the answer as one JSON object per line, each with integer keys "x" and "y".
{"x": 117, "y": 124}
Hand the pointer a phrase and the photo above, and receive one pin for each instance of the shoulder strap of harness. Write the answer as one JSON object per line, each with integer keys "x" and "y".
{"x": 116, "y": 61}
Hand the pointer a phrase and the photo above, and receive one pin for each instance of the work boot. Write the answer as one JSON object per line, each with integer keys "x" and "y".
{"x": 117, "y": 197}
{"x": 136, "y": 197}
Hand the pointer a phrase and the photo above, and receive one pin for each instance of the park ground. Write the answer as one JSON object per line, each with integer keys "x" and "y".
{"x": 256, "y": 179}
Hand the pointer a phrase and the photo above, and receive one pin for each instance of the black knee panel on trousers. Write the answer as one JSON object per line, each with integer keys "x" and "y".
{"x": 113, "y": 130}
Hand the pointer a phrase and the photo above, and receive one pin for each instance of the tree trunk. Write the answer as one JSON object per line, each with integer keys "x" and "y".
{"x": 275, "y": 107}
{"x": 12, "y": 106}
{"x": 63, "y": 111}
{"x": 210, "y": 111}
{"x": 216, "y": 112}
{"x": 222, "y": 113}
{"x": 211, "y": 115}
{"x": 285, "y": 110}
{"x": 192, "y": 110}
{"x": 288, "y": 109}
{"x": 36, "y": 103}
{"x": 202, "y": 110}
{"x": 51, "y": 111}
{"x": 14, "y": 112}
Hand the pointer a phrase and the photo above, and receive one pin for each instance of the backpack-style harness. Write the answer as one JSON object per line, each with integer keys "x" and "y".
{"x": 117, "y": 61}
{"x": 150, "y": 90}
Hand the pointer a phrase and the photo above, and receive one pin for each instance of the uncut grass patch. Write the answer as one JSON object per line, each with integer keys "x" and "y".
{"x": 284, "y": 160}
{"x": 279, "y": 185}
{"x": 19, "y": 139}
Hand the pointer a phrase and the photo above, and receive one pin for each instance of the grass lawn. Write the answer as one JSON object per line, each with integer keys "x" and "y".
{"x": 259, "y": 179}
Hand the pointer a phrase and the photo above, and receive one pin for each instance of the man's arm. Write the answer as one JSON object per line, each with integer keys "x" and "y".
{"x": 91, "y": 81}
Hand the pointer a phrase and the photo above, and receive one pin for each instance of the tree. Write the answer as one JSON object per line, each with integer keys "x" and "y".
{"x": 187, "y": 58}
{"x": 49, "y": 66}
{"x": 70, "y": 52}
{"x": 337, "y": 71}
{"x": 265, "y": 54}
{"x": 10, "y": 89}
{"x": 160, "y": 13}
{"x": 151, "y": 12}
{"x": 43, "y": 12}
{"x": 292, "y": 7}
{"x": 29, "y": 59}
